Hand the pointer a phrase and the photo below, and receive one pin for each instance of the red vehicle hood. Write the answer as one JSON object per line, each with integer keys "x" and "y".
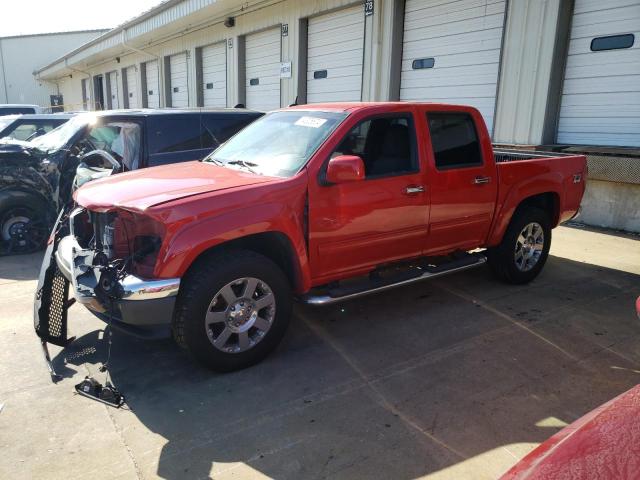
{"x": 604, "y": 444}
{"x": 147, "y": 187}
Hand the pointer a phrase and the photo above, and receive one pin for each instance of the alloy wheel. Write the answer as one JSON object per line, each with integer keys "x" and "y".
{"x": 240, "y": 315}
{"x": 529, "y": 246}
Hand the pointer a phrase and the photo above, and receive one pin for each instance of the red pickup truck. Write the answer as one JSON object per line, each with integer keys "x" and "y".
{"x": 320, "y": 203}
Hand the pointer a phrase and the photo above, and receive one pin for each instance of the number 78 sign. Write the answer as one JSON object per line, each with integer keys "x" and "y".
{"x": 368, "y": 7}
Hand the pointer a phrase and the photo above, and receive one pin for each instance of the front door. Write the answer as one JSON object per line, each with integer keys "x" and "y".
{"x": 358, "y": 225}
{"x": 462, "y": 182}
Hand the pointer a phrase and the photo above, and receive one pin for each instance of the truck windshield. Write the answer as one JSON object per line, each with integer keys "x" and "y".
{"x": 279, "y": 144}
{"x": 59, "y": 137}
{"x": 7, "y": 120}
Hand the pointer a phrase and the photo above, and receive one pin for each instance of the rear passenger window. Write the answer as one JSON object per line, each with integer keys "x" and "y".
{"x": 173, "y": 133}
{"x": 454, "y": 140}
{"x": 218, "y": 128}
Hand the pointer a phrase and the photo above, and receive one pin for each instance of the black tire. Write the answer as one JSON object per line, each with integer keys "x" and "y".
{"x": 24, "y": 226}
{"x": 203, "y": 284}
{"x": 503, "y": 258}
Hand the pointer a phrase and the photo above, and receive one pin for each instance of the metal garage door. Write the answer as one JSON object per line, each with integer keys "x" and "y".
{"x": 132, "y": 87}
{"x": 601, "y": 92}
{"x": 335, "y": 52}
{"x": 451, "y": 52}
{"x": 179, "y": 80}
{"x": 85, "y": 93}
{"x": 153, "y": 84}
{"x": 112, "y": 82}
{"x": 214, "y": 75}
{"x": 263, "y": 70}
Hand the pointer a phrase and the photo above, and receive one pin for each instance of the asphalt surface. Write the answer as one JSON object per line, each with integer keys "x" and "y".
{"x": 455, "y": 378}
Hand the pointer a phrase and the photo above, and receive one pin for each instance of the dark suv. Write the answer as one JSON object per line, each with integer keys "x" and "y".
{"x": 38, "y": 178}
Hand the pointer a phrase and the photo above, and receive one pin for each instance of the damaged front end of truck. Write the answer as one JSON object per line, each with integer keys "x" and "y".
{"x": 104, "y": 261}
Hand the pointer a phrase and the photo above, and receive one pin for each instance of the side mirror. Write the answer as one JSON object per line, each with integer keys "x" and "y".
{"x": 93, "y": 165}
{"x": 345, "y": 168}
{"x": 105, "y": 156}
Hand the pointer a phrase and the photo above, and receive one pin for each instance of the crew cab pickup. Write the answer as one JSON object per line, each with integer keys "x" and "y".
{"x": 319, "y": 203}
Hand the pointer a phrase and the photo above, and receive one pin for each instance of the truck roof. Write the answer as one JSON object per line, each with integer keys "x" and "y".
{"x": 145, "y": 112}
{"x": 353, "y": 106}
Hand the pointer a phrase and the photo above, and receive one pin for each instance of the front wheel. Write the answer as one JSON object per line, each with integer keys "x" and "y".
{"x": 524, "y": 248}
{"x": 22, "y": 230}
{"x": 233, "y": 310}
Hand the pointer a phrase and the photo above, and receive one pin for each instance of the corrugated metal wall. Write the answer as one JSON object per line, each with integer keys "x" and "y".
{"x": 20, "y": 56}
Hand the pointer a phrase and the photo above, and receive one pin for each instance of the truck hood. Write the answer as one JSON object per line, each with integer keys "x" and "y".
{"x": 16, "y": 148}
{"x": 148, "y": 187}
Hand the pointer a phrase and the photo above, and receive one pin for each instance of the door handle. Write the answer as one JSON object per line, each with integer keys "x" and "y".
{"x": 413, "y": 189}
{"x": 481, "y": 180}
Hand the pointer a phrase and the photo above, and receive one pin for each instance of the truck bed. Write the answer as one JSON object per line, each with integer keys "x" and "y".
{"x": 564, "y": 174}
{"x": 503, "y": 155}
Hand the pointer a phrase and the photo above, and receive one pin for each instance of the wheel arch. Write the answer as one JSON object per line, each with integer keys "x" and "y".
{"x": 274, "y": 245}
{"x": 22, "y": 197}
{"x": 548, "y": 200}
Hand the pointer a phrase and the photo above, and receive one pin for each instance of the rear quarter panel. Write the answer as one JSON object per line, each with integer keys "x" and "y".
{"x": 522, "y": 179}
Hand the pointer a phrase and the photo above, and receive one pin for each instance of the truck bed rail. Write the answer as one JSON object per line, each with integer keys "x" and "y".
{"x": 503, "y": 155}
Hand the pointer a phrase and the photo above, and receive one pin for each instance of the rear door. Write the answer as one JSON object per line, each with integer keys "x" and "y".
{"x": 357, "y": 225}
{"x": 462, "y": 181}
{"x": 174, "y": 138}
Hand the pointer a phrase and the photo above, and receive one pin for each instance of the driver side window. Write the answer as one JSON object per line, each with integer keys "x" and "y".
{"x": 385, "y": 144}
{"x": 120, "y": 139}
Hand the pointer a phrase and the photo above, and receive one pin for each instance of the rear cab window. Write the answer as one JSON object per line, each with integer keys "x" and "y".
{"x": 454, "y": 140}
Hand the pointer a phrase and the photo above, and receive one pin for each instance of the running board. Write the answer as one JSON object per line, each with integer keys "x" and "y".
{"x": 416, "y": 274}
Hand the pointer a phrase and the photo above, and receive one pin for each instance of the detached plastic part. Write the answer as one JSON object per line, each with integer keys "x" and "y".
{"x": 107, "y": 394}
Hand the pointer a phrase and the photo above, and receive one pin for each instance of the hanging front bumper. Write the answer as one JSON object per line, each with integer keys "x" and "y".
{"x": 142, "y": 307}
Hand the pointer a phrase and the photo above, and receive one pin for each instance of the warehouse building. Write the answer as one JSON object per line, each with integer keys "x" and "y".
{"x": 544, "y": 73}
{"x": 21, "y": 55}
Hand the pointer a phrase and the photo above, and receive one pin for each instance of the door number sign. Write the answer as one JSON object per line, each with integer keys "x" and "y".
{"x": 368, "y": 8}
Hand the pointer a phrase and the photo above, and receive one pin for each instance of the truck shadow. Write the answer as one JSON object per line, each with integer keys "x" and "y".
{"x": 431, "y": 377}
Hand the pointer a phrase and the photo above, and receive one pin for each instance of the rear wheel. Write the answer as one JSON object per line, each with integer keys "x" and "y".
{"x": 22, "y": 230}
{"x": 233, "y": 310}
{"x": 524, "y": 248}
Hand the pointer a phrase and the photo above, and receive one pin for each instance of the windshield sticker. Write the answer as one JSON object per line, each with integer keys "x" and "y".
{"x": 311, "y": 122}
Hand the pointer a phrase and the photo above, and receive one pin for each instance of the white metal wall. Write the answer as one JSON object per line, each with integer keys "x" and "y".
{"x": 153, "y": 84}
{"x": 601, "y": 91}
{"x": 179, "y": 80}
{"x": 214, "y": 75}
{"x": 464, "y": 38}
{"x": 335, "y": 56}
{"x": 262, "y": 70}
{"x": 24, "y": 54}
{"x": 113, "y": 86}
{"x": 132, "y": 87}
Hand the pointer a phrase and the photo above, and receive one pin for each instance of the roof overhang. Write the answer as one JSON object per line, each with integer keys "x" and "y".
{"x": 170, "y": 18}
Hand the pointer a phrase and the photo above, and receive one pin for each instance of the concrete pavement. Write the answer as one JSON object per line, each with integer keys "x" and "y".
{"x": 455, "y": 378}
